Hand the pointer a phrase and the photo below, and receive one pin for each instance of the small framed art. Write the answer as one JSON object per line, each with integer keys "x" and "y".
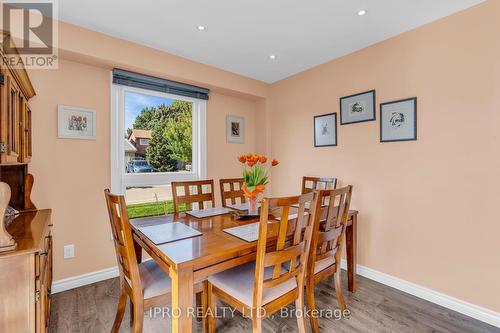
{"x": 76, "y": 123}
{"x": 357, "y": 108}
{"x": 235, "y": 129}
{"x": 325, "y": 130}
{"x": 398, "y": 120}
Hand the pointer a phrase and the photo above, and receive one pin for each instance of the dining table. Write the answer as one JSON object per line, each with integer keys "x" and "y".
{"x": 192, "y": 260}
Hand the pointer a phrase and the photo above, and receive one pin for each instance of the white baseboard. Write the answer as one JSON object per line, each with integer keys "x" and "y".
{"x": 485, "y": 315}
{"x": 84, "y": 279}
{"x": 488, "y": 316}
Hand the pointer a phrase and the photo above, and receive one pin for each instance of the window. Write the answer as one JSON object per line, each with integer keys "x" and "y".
{"x": 157, "y": 138}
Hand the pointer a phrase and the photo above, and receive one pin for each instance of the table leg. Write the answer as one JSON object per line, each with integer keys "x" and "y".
{"x": 138, "y": 251}
{"x": 182, "y": 300}
{"x": 351, "y": 248}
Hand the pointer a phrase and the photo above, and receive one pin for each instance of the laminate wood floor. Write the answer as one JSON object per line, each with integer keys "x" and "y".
{"x": 374, "y": 308}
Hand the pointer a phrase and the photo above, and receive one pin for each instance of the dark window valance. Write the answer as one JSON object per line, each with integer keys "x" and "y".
{"x": 137, "y": 80}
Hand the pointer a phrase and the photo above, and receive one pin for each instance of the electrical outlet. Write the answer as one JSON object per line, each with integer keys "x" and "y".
{"x": 69, "y": 251}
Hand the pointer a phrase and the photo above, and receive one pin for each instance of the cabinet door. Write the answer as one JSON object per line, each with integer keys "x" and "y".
{"x": 44, "y": 297}
{"x": 17, "y": 293}
{"x": 49, "y": 273}
{"x": 13, "y": 120}
{"x": 3, "y": 116}
{"x": 27, "y": 135}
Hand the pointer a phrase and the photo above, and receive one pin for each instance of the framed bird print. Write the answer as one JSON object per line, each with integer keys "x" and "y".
{"x": 325, "y": 130}
{"x": 357, "y": 108}
{"x": 398, "y": 120}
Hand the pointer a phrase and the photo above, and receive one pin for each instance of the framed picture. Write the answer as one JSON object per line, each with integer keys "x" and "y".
{"x": 398, "y": 120}
{"x": 76, "y": 123}
{"x": 235, "y": 129}
{"x": 325, "y": 130}
{"x": 357, "y": 108}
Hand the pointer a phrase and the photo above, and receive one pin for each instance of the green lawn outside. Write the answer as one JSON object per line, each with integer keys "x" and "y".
{"x": 151, "y": 209}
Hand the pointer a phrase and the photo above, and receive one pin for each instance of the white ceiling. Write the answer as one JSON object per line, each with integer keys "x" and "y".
{"x": 241, "y": 34}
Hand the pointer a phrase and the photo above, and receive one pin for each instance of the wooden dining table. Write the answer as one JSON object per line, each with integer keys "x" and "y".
{"x": 192, "y": 260}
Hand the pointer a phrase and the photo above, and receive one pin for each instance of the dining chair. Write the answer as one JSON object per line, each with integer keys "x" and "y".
{"x": 326, "y": 245}
{"x": 188, "y": 197}
{"x": 230, "y": 189}
{"x": 146, "y": 284}
{"x": 317, "y": 183}
{"x": 260, "y": 288}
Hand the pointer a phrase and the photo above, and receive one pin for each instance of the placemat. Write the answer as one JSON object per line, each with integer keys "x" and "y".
{"x": 297, "y": 205}
{"x": 306, "y": 205}
{"x": 291, "y": 216}
{"x": 242, "y": 207}
{"x": 168, "y": 232}
{"x": 248, "y": 232}
{"x": 208, "y": 212}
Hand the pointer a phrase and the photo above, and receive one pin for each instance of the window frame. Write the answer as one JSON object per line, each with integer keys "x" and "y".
{"x": 120, "y": 180}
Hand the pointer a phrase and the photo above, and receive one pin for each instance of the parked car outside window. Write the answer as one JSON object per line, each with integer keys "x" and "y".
{"x": 139, "y": 166}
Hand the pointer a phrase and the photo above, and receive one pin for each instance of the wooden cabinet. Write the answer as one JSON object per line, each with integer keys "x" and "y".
{"x": 15, "y": 131}
{"x": 26, "y": 271}
{"x": 26, "y": 275}
{"x": 15, "y": 114}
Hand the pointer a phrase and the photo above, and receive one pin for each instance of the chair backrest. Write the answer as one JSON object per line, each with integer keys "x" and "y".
{"x": 188, "y": 198}
{"x": 329, "y": 226}
{"x": 124, "y": 243}
{"x": 292, "y": 244}
{"x": 230, "y": 189}
{"x": 317, "y": 183}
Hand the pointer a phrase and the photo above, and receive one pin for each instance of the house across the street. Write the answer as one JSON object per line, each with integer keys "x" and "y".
{"x": 130, "y": 151}
{"x": 140, "y": 140}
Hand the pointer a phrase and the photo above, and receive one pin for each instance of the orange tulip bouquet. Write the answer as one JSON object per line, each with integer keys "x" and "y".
{"x": 255, "y": 178}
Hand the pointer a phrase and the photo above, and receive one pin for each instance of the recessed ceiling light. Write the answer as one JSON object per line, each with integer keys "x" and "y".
{"x": 272, "y": 57}
{"x": 201, "y": 27}
{"x": 362, "y": 12}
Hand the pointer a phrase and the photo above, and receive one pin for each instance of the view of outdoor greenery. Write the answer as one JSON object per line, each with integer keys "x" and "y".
{"x": 152, "y": 209}
{"x": 159, "y": 136}
{"x": 171, "y": 137}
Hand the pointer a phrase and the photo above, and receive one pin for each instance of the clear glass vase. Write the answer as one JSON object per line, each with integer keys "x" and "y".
{"x": 253, "y": 206}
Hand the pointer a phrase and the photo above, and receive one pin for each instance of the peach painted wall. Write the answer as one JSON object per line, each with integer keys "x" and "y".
{"x": 70, "y": 175}
{"x": 87, "y": 46}
{"x": 221, "y": 156}
{"x": 429, "y": 208}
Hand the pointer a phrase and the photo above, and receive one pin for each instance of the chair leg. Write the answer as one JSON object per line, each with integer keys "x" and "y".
{"x": 301, "y": 318}
{"x": 311, "y": 305}
{"x": 338, "y": 290}
{"x": 131, "y": 309}
{"x": 211, "y": 309}
{"x": 138, "y": 317}
{"x": 204, "y": 306}
{"x": 299, "y": 306}
{"x": 199, "y": 304}
{"x": 120, "y": 311}
{"x": 256, "y": 324}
